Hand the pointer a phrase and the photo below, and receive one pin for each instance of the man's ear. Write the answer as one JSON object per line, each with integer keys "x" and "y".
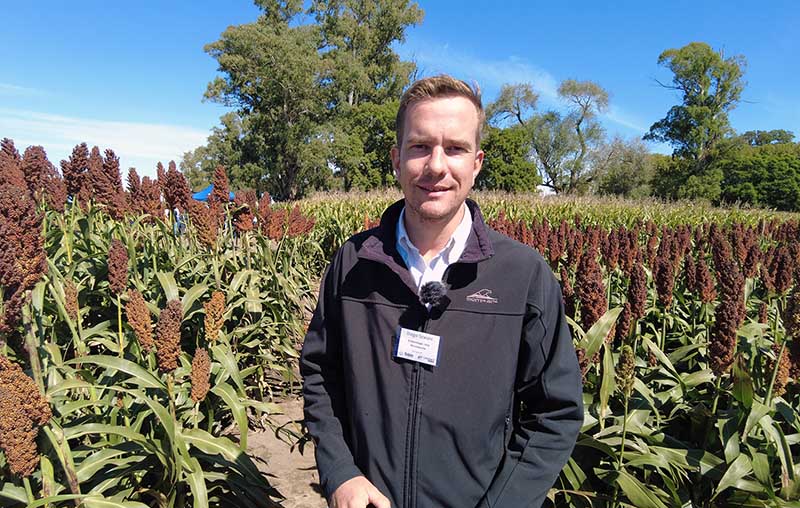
{"x": 395, "y": 154}
{"x": 478, "y": 164}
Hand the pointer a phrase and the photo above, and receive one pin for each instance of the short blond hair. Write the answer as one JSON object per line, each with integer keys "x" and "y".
{"x": 437, "y": 87}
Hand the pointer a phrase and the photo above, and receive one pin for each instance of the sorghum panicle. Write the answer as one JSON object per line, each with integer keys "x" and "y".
{"x": 55, "y": 190}
{"x": 637, "y": 290}
{"x": 762, "y": 313}
{"x": 690, "y": 274}
{"x": 782, "y": 269}
{"x": 624, "y": 322}
{"x": 205, "y": 222}
{"x": 22, "y": 411}
{"x": 590, "y": 289}
{"x": 74, "y": 170}
{"x": 176, "y": 189}
{"x": 138, "y": 316}
{"x": 244, "y": 207}
{"x": 201, "y": 375}
{"x": 626, "y": 370}
{"x": 35, "y": 167}
{"x": 168, "y": 336}
{"x": 214, "y": 316}
{"x": 299, "y": 224}
{"x": 117, "y": 267}
{"x": 220, "y": 193}
{"x": 71, "y": 300}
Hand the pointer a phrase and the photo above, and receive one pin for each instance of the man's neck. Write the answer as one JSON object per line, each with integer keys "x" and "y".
{"x": 429, "y": 236}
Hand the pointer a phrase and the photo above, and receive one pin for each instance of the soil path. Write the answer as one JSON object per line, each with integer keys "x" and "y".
{"x": 292, "y": 473}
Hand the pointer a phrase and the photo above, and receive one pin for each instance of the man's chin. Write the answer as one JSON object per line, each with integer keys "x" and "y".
{"x": 433, "y": 212}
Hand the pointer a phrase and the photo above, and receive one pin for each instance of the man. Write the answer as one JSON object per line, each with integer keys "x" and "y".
{"x": 438, "y": 367}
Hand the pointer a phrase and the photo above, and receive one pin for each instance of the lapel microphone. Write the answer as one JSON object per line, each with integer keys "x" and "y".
{"x": 431, "y": 293}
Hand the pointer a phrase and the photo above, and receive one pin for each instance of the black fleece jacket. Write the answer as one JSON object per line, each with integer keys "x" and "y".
{"x": 492, "y": 424}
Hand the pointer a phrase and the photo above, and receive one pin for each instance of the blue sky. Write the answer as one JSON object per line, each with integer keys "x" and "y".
{"x": 131, "y": 75}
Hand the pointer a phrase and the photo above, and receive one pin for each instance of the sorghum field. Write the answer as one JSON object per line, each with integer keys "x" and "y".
{"x": 136, "y": 350}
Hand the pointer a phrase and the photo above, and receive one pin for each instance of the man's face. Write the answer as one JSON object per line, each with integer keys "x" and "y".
{"x": 439, "y": 157}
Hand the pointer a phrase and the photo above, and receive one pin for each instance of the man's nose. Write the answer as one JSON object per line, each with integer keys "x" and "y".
{"x": 437, "y": 162}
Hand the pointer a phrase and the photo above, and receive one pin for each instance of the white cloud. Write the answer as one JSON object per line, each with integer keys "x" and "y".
{"x": 11, "y": 89}
{"x": 140, "y": 145}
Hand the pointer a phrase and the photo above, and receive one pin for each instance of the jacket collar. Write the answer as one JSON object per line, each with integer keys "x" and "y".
{"x": 382, "y": 245}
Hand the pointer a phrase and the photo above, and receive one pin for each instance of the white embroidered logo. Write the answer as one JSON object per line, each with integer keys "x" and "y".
{"x": 482, "y": 296}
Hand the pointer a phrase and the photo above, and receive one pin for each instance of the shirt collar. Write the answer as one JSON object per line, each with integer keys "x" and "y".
{"x": 452, "y": 249}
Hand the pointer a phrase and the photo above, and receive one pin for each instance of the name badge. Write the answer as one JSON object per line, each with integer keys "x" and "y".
{"x": 418, "y": 346}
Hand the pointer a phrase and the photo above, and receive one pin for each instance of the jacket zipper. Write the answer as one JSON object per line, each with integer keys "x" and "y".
{"x": 408, "y": 501}
{"x": 411, "y": 447}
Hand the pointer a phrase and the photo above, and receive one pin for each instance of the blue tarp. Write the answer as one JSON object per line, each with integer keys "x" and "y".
{"x": 203, "y": 194}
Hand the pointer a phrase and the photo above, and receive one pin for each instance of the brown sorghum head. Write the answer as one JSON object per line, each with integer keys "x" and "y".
{"x": 244, "y": 206}
{"x": 275, "y": 225}
{"x": 201, "y": 375}
{"x": 22, "y": 411}
{"x": 624, "y": 322}
{"x": 762, "y": 313}
{"x": 626, "y": 370}
{"x": 637, "y": 289}
{"x": 568, "y": 293}
{"x": 117, "y": 267}
{"x": 55, "y": 191}
{"x": 168, "y": 336}
{"x": 220, "y": 193}
{"x": 705, "y": 282}
{"x": 205, "y": 222}
{"x": 176, "y": 189}
{"x": 665, "y": 280}
{"x": 214, "y": 319}
{"x": 782, "y": 269}
{"x": 730, "y": 312}
{"x": 791, "y": 315}
{"x": 74, "y": 170}
{"x": 139, "y": 318}
{"x": 150, "y": 198}
{"x": 35, "y": 167}
{"x": 299, "y": 224}
{"x": 590, "y": 290}
{"x": 71, "y": 300}
{"x": 690, "y": 274}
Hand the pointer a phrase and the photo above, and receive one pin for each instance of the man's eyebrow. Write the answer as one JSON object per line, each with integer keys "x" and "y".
{"x": 421, "y": 138}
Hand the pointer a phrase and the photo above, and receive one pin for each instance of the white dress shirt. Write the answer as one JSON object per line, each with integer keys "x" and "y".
{"x": 433, "y": 270}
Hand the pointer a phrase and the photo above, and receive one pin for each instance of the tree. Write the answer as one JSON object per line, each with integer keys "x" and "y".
{"x": 586, "y": 99}
{"x": 270, "y": 75}
{"x": 360, "y": 145}
{"x": 554, "y": 147}
{"x": 516, "y": 103}
{"x": 294, "y": 86}
{"x": 223, "y": 148}
{"x": 710, "y": 87}
{"x": 507, "y": 165}
{"x": 625, "y": 168}
{"x": 761, "y": 138}
{"x": 766, "y": 175}
{"x": 562, "y": 146}
{"x": 359, "y": 64}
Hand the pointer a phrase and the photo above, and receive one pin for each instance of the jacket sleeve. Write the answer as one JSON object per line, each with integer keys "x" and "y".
{"x": 323, "y": 388}
{"x": 549, "y": 400}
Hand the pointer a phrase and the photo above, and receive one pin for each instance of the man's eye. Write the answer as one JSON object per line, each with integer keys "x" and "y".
{"x": 456, "y": 149}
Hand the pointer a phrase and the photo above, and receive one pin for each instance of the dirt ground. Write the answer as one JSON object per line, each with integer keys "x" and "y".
{"x": 292, "y": 473}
